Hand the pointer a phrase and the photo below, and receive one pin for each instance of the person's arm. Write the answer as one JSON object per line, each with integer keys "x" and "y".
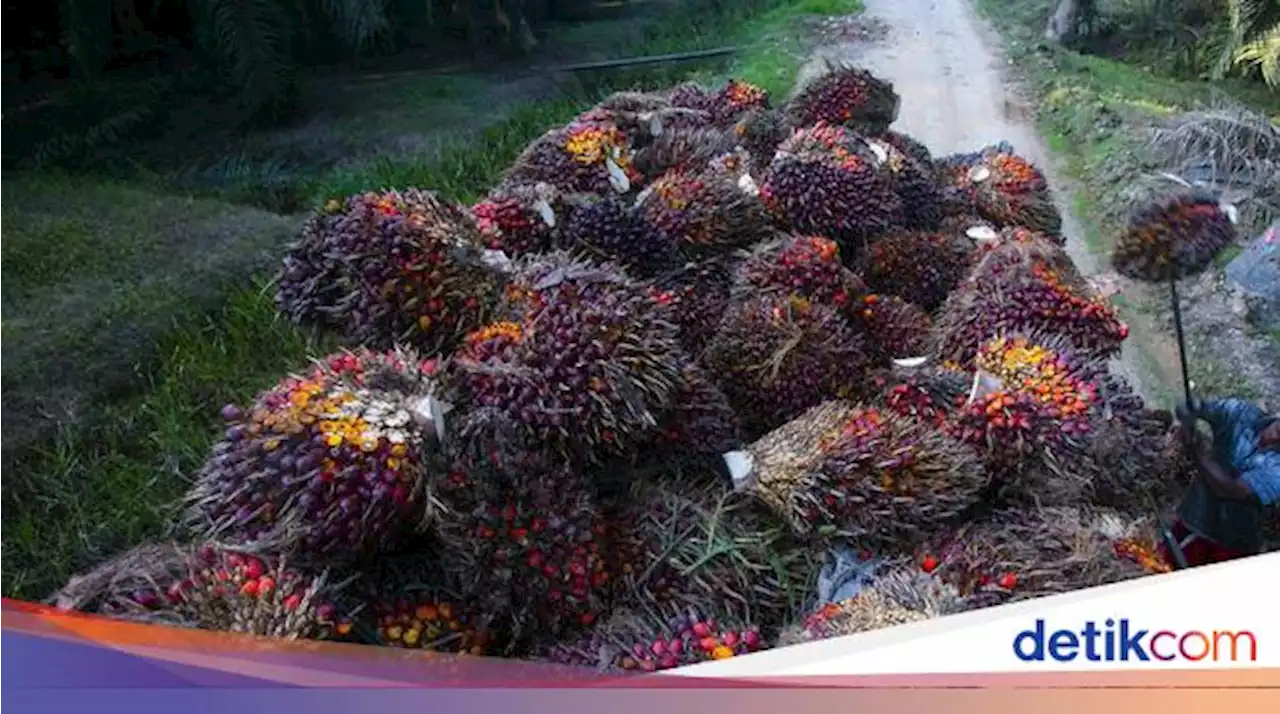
{"x": 1220, "y": 477}
{"x": 1263, "y": 479}
{"x": 1224, "y": 413}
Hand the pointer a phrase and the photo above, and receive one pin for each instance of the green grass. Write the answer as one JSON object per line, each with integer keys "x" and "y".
{"x": 106, "y": 481}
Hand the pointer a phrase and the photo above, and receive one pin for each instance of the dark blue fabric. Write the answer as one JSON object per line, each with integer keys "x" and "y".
{"x": 1237, "y": 427}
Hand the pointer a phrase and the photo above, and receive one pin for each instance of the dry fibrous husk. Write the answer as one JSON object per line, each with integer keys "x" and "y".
{"x": 389, "y": 268}
{"x": 1018, "y": 554}
{"x": 686, "y": 538}
{"x": 328, "y": 463}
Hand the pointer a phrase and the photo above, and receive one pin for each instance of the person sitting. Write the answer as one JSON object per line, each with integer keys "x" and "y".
{"x": 1221, "y": 516}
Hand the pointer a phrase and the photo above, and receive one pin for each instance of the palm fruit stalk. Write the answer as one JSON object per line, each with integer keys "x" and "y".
{"x": 530, "y": 548}
{"x": 777, "y": 355}
{"x": 518, "y": 220}
{"x": 930, "y": 394}
{"x": 686, "y": 538}
{"x": 1024, "y": 294}
{"x": 585, "y": 364}
{"x": 886, "y": 480}
{"x": 704, "y": 211}
{"x": 805, "y": 266}
{"x": 846, "y": 95}
{"x": 894, "y": 328}
{"x": 328, "y": 463}
{"x": 213, "y": 588}
{"x": 389, "y": 268}
{"x": 591, "y": 155}
{"x": 1008, "y": 189}
{"x": 1020, "y": 554}
{"x": 897, "y": 596}
{"x": 614, "y": 230}
{"x": 921, "y": 268}
{"x": 695, "y": 297}
{"x": 651, "y": 641}
{"x": 826, "y": 180}
{"x": 1174, "y": 238}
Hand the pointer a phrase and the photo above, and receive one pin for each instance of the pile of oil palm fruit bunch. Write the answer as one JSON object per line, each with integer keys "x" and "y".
{"x": 615, "y": 412}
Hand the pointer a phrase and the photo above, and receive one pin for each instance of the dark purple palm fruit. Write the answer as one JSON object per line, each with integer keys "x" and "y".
{"x": 585, "y": 364}
{"x": 704, "y": 211}
{"x": 886, "y": 480}
{"x": 330, "y": 463}
{"x": 695, "y": 296}
{"x": 894, "y": 328}
{"x": 760, "y": 132}
{"x": 690, "y": 95}
{"x": 613, "y": 229}
{"x": 926, "y": 393}
{"x": 685, "y": 538}
{"x": 389, "y": 268}
{"x": 777, "y": 355}
{"x": 520, "y": 219}
{"x": 636, "y": 642}
{"x": 700, "y": 420}
{"x": 916, "y": 185}
{"x": 528, "y": 547}
{"x": 807, "y": 266}
{"x": 1175, "y": 238}
{"x": 826, "y": 180}
{"x": 590, "y": 155}
{"x": 845, "y": 95}
{"x": 919, "y": 267}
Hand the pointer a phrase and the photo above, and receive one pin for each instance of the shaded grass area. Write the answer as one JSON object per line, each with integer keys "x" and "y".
{"x": 106, "y": 480}
{"x": 1095, "y": 113}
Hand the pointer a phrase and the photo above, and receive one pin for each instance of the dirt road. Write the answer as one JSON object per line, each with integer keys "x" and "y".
{"x": 947, "y": 66}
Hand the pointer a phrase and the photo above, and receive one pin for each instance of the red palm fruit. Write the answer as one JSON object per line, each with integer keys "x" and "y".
{"x": 703, "y": 210}
{"x": 846, "y": 95}
{"x": 931, "y": 394}
{"x": 894, "y": 328}
{"x": 777, "y": 356}
{"x": 686, "y": 539}
{"x": 899, "y": 596}
{"x": 884, "y": 479}
{"x": 329, "y": 462}
{"x": 1174, "y": 238}
{"x": 1042, "y": 551}
{"x": 695, "y": 297}
{"x": 921, "y": 268}
{"x": 736, "y": 99}
{"x": 554, "y": 515}
{"x": 586, "y": 364}
{"x": 389, "y": 268}
{"x": 826, "y": 180}
{"x": 590, "y": 155}
{"x": 519, "y": 219}
{"x": 655, "y": 640}
{"x": 429, "y": 621}
{"x": 805, "y": 266}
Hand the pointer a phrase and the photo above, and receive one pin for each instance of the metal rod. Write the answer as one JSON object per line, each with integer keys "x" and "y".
{"x": 1182, "y": 344}
{"x": 650, "y": 59}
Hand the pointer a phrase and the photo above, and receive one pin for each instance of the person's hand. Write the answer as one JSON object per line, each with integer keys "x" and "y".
{"x": 1186, "y": 411}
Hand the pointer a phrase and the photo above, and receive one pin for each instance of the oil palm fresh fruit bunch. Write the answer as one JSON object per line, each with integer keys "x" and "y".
{"x": 897, "y": 597}
{"x": 1137, "y": 461}
{"x": 806, "y": 266}
{"x": 638, "y": 641}
{"x": 332, "y": 462}
{"x": 930, "y": 394}
{"x": 881, "y": 478}
{"x": 910, "y": 146}
{"x": 894, "y": 328}
{"x": 845, "y": 95}
{"x": 528, "y": 547}
{"x": 736, "y": 99}
{"x": 700, "y": 419}
{"x": 826, "y": 180}
{"x": 632, "y": 101}
{"x": 518, "y": 220}
{"x": 685, "y": 538}
{"x": 1174, "y": 238}
{"x": 777, "y": 355}
{"x": 592, "y": 155}
{"x": 1018, "y": 554}
{"x": 388, "y": 268}
{"x": 212, "y": 588}
{"x": 429, "y": 621}
{"x": 690, "y": 95}
{"x": 921, "y": 268}
{"x": 681, "y": 149}
{"x": 1007, "y": 189}
{"x": 695, "y": 296}
{"x": 703, "y": 211}
{"x": 759, "y": 132}
{"x": 613, "y": 229}
{"x": 585, "y": 363}
{"x": 916, "y": 184}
